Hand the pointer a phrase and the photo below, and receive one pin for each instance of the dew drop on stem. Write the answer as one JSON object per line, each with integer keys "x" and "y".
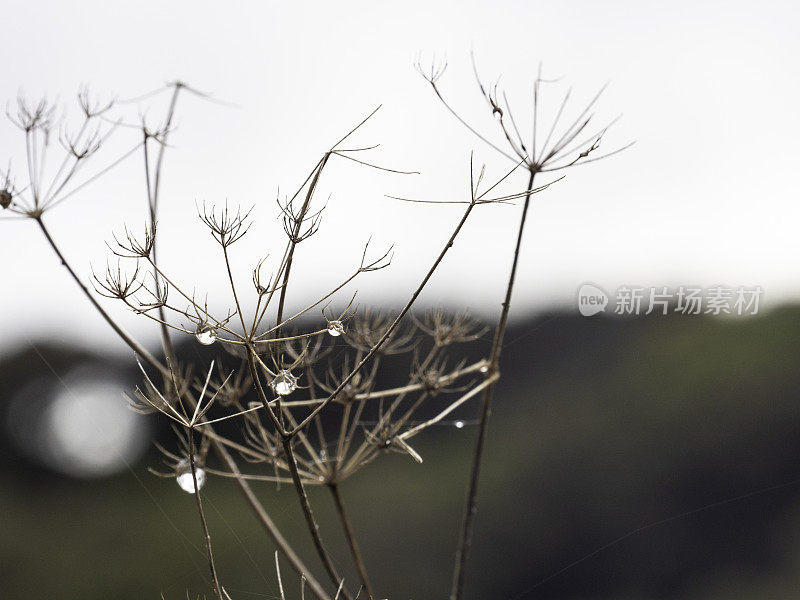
{"x": 284, "y": 383}
{"x": 335, "y": 328}
{"x": 183, "y": 475}
{"x": 205, "y": 334}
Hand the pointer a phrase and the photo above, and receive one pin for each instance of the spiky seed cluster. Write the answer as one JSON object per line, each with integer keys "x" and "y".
{"x": 132, "y": 247}
{"x": 551, "y": 149}
{"x": 46, "y": 188}
{"x": 118, "y": 284}
{"x": 32, "y": 116}
{"x": 369, "y": 327}
{"x": 226, "y": 227}
{"x": 450, "y": 328}
{"x": 299, "y": 223}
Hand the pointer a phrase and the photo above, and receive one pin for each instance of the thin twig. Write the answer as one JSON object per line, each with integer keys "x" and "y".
{"x": 351, "y": 540}
{"x": 212, "y": 567}
{"x": 465, "y": 538}
{"x": 310, "y": 519}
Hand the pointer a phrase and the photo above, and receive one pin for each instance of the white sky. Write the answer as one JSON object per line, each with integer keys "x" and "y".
{"x": 708, "y": 195}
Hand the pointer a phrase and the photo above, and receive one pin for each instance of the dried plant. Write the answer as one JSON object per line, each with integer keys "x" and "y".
{"x": 279, "y": 373}
{"x": 561, "y": 148}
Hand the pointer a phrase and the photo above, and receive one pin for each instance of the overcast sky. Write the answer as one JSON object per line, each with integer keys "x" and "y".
{"x": 708, "y": 195}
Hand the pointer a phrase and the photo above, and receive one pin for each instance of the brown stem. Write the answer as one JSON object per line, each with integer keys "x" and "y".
{"x": 262, "y": 395}
{"x": 267, "y": 522}
{"x": 166, "y": 341}
{"x": 351, "y": 540}
{"x": 465, "y": 537}
{"x": 291, "y": 461}
{"x": 293, "y": 241}
{"x": 207, "y": 535}
{"x": 309, "y": 515}
{"x": 134, "y": 345}
{"x": 233, "y": 287}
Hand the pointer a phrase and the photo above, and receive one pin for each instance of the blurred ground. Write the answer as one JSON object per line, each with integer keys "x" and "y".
{"x": 676, "y": 440}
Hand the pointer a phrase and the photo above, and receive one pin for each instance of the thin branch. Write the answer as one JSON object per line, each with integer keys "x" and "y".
{"x": 351, "y": 540}
{"x": 212, "y": 567}
{"x": 465, "y": 538}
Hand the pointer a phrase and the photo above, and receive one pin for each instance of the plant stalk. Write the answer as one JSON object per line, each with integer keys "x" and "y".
{"x": 206, "y": 534}
{"x": 133, "y": 344}
{"x": 467, "y": 523}
{"x": 351, "y": 540}
{"x": 309, "y": 515}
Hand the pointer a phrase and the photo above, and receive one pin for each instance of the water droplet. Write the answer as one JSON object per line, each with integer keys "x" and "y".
{"x": 459, "y": 424}
{"x": 183, "y": 475}
{"x": 284, "y": 383}
{"x": 335, "y": 328}
{"x": 484, "y": 369}
{"x": 205, "y": 334}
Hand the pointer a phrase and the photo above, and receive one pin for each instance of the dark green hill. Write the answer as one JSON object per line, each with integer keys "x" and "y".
{"x": 679, "y": 437}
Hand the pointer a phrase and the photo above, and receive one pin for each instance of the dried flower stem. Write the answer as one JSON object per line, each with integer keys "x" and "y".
{"x": 294, "y": 237}
{"x": 286, "y": 438}
{"x": 134, "y": 345}
{"x": 166, "y": 341}
{"x": 351, "y": 540}
{"x": 267, "y": 522}
{"x": 207, "y": 536}
{"x": 310, "y": 520}
{"x": 465, "y": 537}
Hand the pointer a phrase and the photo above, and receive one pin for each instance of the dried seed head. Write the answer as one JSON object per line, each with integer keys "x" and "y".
{"x": 7, "y": 189}
{"x": 360, "y": 382}
{"x": 132, "y": 247}
{"x": 116, "y": 284}
{"x": 564, "y": 146}
{"x": 5, "y": 198}
{"x": 367, "y": 329}
{"x": 431, "y": 381}
{"x": 32, "y": 115}
{"x": 226, "y": 227}
{"x": 446, "y": 328}
{"x": 306, "y": 353}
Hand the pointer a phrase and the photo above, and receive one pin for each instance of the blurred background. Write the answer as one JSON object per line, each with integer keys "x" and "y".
{"x": 640, "y": 457}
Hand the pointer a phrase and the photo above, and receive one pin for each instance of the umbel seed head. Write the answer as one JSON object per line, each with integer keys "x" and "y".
{"x": 5, "y": 198}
